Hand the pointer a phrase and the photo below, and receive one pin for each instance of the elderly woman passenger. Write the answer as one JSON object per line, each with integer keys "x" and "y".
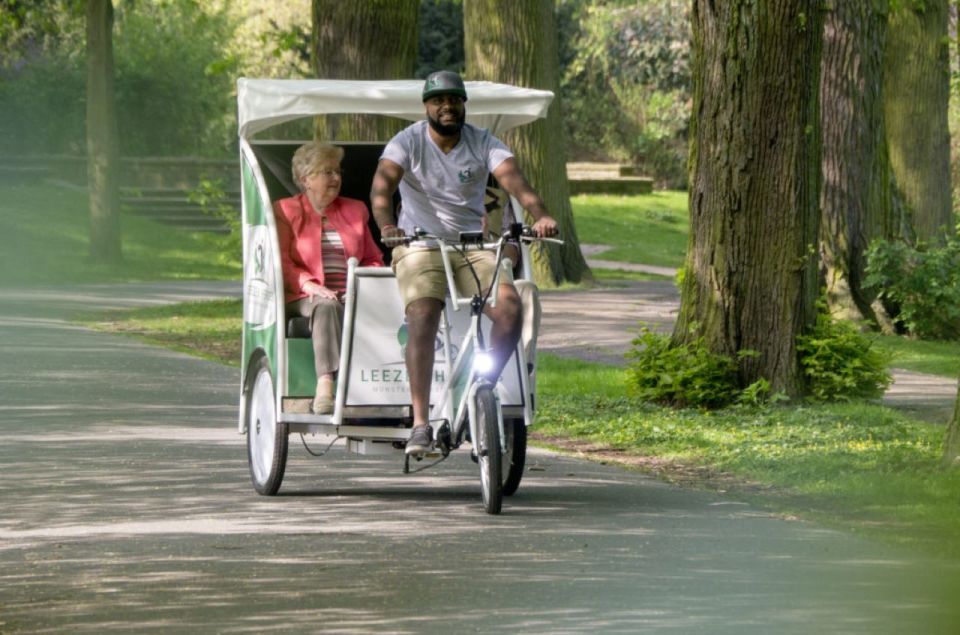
{"x": 319, "y": 230}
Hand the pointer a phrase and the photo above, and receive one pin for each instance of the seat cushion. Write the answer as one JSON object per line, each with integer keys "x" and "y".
{"x": 299, "y": 327}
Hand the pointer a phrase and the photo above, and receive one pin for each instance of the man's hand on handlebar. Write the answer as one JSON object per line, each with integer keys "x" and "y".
{"x": 545, "y": 227}
{"x": 392, "y": 236}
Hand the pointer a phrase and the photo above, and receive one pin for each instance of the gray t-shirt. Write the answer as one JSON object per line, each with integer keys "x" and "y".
{"x": 443, "y": 193}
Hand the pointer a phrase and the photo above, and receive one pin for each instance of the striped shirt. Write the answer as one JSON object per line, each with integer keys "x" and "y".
{"x": 334, "y": 262}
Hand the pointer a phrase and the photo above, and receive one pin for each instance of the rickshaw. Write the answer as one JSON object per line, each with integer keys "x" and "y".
{"x": 372, "y": 414}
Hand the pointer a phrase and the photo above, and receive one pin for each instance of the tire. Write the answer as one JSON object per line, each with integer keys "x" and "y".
{"x": 516, "y": 456}
{"x": 488, "y": 450}
{"x": 266, "y": 438}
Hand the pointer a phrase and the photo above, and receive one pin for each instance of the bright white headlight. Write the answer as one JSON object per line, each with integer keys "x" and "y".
{"x": 483, "y": 363}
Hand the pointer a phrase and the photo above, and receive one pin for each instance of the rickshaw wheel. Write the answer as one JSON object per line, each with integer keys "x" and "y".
{"x": 513, "y": 461}
{"x": 266, "y": 438}
{"x": 488, "y": 450}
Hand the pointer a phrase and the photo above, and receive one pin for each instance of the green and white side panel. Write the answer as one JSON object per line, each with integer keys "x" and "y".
{"x": 262, "y": 280}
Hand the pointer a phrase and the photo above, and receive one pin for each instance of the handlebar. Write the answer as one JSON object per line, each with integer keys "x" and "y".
{"x": 516, "y": 231}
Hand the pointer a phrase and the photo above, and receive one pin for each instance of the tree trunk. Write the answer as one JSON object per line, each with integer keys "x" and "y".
{"x": 102, "y": 135}
{"x": 916, "y": 97}
{"x": 951, "y": 444}
{"x": 516, "y": 43}
{"x": 751, "y": 268}
{"x": 364, "y": 39}
{"x": 856, "y": 199}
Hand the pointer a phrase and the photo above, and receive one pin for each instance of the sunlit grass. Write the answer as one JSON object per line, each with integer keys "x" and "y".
{"x": 935, "y": 358}
{"x": 644, "y": 229}
{"x": 45, "y": 234}
{"x": 860, "y": 466}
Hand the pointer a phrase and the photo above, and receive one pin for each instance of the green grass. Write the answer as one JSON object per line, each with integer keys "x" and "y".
{"x": 210, "y": 329}
{"x": 45, "y": 233}
{"x": 934, "y": 358}
{"x": 862, "y": 467}
{"x": 649, "y": 229}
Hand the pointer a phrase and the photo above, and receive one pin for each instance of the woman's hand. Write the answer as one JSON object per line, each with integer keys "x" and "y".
{"x": 318, "y": 290}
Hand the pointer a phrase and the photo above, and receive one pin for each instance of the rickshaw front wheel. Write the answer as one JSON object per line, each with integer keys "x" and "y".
{"x": 266, "y": 438}
{"x": 515, "y": 431}
{"x": 488, "y": 450}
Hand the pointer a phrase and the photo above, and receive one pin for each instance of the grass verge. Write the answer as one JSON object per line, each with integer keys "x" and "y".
{"x": 859, "y": 466}
{"x": 46, "y": 239}
{"x": 649, "y": 229}
{"x": 934, "y": 358}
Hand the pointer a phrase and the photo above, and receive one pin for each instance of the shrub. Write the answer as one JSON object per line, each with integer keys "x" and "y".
{"x": 684, "y": 375}
{"x": 922, "y": 284}
{"x": 840, "y": 363}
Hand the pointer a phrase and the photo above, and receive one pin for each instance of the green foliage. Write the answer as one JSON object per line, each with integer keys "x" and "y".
{"x": 626, "y": 84}
{"x": 212, "y": 198}
{"x": 173, "y": 83}
{"x": 840, "y": 363}
{"x": 681, "y": 375}
{"x": 922, "y": 284}
{"x": 440, "y": 45}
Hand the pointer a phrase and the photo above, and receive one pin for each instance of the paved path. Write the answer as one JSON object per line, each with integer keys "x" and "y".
{"x": 126, "y": 507}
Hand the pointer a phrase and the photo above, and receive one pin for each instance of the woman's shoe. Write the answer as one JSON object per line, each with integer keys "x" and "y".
{"x": 323, "y": 401}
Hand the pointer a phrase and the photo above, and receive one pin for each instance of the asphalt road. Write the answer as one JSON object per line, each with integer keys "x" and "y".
{"x": 126, "y": 507}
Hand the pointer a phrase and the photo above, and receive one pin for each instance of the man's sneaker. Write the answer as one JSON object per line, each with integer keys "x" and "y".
{"x": 421, "y": 440}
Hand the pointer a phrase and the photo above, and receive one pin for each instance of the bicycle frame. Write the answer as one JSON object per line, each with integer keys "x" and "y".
{"x": 462, "y": 378}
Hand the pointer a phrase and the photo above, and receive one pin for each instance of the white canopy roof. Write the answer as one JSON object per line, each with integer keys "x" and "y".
{"x": 267, "y": 102}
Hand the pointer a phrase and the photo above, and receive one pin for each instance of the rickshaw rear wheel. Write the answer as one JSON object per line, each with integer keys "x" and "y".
{"x": 488, "y": 449}
{"x": 515, "y": 431}
{"x": 266, "y": 437}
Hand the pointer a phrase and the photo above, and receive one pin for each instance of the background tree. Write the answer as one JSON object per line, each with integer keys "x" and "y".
{"x": 857, "y": 197}
{"x": 516, "y": 43}
{"x": 365, "y": 39}
{"x": 750, "y": 278}
{"x": 102, "y": 135}
{"x": 916, "y": 99}
{"x": 951, "y": 445}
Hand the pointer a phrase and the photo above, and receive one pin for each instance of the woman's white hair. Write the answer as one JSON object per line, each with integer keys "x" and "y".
{"x": 308, "y": 158}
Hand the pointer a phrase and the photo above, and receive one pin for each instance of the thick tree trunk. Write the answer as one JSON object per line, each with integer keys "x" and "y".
{"x": 516, "y": 43}
{"x": 102, "y": 135}
{"x": 916, "y": 97}
{"x": 856, "y": 199}
{"x": 751, "y": 268}
{"x": 951, "y": 445}
{"x": 364, "y": 39}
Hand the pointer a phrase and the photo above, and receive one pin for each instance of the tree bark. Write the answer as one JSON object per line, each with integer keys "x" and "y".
{"x": 516, "y": 43}
{"x": 364, "y": 39}
{"x": 916, "y": 98}
{"x": 951, "y": 444}
{"x": 102, "y": 135}
{"x": 750, "y": 278}
{"x": 857, "y": 195}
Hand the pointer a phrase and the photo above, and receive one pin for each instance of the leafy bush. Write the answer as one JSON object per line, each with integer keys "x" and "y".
{"x": 212, "y": 198}
{"x": 922, "y": 284}
{"x": 841, "y": 363}
{"x": 173, "y": 83}
{"x": 626, "y": 83}
{"x": 685, "y": 375}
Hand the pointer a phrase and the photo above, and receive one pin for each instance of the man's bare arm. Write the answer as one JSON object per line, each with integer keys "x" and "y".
{"x": 385, "y": 182}
{"x": 511, "y": 179}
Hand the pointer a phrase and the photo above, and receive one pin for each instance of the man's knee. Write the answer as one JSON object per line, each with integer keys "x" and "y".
{"x": 423, "y": 315}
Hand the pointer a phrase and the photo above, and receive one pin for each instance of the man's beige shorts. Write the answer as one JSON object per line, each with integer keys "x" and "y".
{"x": 420, "y": 272}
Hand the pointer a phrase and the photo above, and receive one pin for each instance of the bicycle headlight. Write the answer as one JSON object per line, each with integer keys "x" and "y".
{"x": 483, "y": 363}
